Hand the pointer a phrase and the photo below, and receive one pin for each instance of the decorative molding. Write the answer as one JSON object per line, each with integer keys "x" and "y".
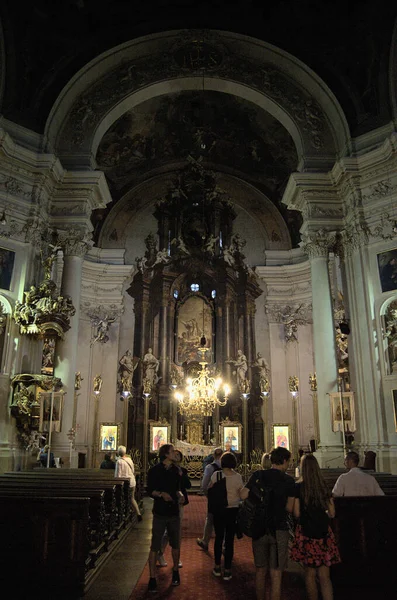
{"x": 318, "y": 243}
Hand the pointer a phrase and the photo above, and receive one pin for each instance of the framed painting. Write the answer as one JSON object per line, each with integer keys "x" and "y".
{"x": 394, "y": 395}
{"x": 231, "y": 436}
{"x": 7, "y": 259}
{"x": 281, "y": 435}
{"x": 108, "y": 436}
{"x": 47, "y": 421}
{"x": 194, "y": 319}
{"x": 387, "y": 267}
{"x": 343, "y": 403}
{"x": 160, "y": 433}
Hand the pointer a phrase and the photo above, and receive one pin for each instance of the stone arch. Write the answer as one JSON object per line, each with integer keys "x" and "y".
{"x": 261, "y": 73}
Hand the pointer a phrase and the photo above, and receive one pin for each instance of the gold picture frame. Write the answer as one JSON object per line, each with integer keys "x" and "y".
{"x": 282, "y": 435}
{"x": 231, "y": 436}
{"x": 349, "y": 416}
{"x": 44, "y": 399}
{"x": 160, "y": 434}
{"x": 109, "y": 436}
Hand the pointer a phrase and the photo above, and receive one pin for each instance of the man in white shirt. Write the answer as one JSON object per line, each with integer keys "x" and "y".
{"x": 356, "y": 482}
{"x": 209, "y": 521}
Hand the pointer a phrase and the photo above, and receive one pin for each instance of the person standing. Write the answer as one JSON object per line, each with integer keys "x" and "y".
{"x": 164, "y": 485}
{"x": 185, "y": 485}
{"x": 125, "y": 468}
{"x": 271, "y": 549}
{"x": 314, "y": 544}
{"x": 108, "y": 463}
{"x": 225, "y": 519}
{"x": 209, "y": 521}
{"x": 356, "y": 482}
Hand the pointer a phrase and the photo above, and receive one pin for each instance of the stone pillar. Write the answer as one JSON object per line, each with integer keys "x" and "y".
{"x": 316, "y": 246}
{"x": 66, "y": 350}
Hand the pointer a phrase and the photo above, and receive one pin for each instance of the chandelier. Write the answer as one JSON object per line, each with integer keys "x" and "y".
{"x": 202, "y": 394}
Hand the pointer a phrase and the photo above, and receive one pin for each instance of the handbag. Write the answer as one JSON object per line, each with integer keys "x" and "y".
{"x": 217, "y": 494}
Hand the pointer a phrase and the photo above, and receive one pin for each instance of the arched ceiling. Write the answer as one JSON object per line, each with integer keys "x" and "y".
{"x": 346, "y": 43}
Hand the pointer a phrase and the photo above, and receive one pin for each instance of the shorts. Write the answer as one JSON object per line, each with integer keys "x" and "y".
{"x": 271, "y": 551}
{"x": 173, "y": 527}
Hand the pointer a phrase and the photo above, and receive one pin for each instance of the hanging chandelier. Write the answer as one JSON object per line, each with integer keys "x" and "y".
{"x": 202, "y": 394}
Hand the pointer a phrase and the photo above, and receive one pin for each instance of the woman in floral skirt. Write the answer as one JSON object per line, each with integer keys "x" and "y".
{"x": 314, "y": 545}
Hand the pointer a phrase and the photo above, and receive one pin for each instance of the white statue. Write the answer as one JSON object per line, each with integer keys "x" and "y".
{"x": 151, "y": 366}
{"x": 263, "y": 370}
{"x": 161, "y": 257}
{"x": 102, "y": 329}
{"x": 241, "y": 370}
{"x": 228, "y": 256}
{"x": 210, "y": 244}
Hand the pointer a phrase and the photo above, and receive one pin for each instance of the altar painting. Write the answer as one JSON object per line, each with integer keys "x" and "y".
{"x": 190, "y": 330}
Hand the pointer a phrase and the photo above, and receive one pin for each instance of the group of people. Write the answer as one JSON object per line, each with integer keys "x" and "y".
{"x": 297, "y": 527}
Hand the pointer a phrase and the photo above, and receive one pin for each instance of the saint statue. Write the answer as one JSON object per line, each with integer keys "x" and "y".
{"x": 263, "y": 370}
{"x": 126, "y": 369}
{"x": 151, "y": 366}
{"x": 98, "y": 383}
{"x": 77, "y": 380}
{"x": 241, "y": 369}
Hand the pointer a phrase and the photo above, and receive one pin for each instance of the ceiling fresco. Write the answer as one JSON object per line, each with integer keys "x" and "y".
{"x": 230, "y": 134}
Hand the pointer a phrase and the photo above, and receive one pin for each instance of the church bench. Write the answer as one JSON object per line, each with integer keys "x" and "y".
{"x": 45, "y": 545}
{"x": 97, "y": 532}
{"x": 366, "y": 531}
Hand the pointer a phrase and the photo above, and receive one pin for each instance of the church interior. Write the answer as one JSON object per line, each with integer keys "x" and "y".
{"x": 198, "y": 230}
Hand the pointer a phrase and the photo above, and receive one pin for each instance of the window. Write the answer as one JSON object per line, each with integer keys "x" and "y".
{"x": 195, "y": 287}
{"x": 176, "y": 294}
{"x": 213, "y": 294}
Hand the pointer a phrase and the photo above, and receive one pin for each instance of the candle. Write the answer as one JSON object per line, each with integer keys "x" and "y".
{"x": 181, "y": 432}
{"x": 209, "y": 429}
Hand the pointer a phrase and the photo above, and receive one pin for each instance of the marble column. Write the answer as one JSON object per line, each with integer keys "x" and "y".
{"x": 66, "y": 350}
{"x": 316, "y": 246}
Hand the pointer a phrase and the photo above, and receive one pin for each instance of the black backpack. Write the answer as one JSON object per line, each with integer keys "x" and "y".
{"x": 255, "y": 517}
{"x": 217, "y": 494}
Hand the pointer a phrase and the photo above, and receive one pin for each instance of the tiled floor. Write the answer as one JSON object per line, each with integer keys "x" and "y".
{"x": 121, "y": 572}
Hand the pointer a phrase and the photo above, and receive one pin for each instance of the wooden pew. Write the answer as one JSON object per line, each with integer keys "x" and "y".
{"x": 45, "y": 545}
{"x": 366, "y": 531}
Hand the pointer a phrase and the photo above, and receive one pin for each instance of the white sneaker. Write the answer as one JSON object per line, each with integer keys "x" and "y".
{"x": 180, "y": 565}
{"x": 161, "y": 560}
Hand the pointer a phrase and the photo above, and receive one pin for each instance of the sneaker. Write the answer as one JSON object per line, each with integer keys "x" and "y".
{"x": 227, "y": 575}
{"x": 180, "y": 565}
{"x": 175, "y": 578}
{"x": 161, "y": 560}
{"x": 152, "y": 587}
{"x": 216, "y": 571}
{"x": 202, "y": 544}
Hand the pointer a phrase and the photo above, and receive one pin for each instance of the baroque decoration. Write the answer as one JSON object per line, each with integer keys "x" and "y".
{"x": 25, "y": 407}
{"x": 44, "y": 311}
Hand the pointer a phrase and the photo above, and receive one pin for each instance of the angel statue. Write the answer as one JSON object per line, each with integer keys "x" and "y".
{"x": 293, "y": 383}
{"x": 97, "y": 384}
{"x": 313, "y": 382}
{"x": 102, "y": 329}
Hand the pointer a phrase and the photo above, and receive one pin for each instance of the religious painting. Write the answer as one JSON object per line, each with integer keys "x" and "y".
{"x": 194, "y": 320}
{"x": 281, "y": 435}
{"x": 231, "y": 436}
{"x": 7, "y": 259}
{"x": 394, "y": 393}
{"x": 387, "y": 266}
{"x": 108, "y": 437}
{"x": 160, "y": 434}
{"x": 47, "y": 356}
{"x": 51, "y": 407}
{"x": 343, "y": 405}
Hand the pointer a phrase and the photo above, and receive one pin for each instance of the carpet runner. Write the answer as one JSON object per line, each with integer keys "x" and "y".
{"x": 197, "y": 581}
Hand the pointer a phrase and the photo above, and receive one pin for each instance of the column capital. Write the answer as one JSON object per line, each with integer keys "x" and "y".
{"x": 317, "y": 244}
{"x": 75, "y": 242}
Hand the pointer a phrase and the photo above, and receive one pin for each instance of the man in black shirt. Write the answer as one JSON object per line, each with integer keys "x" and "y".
{"x": 164, "y": 485}
{"x": 271, "y": 550}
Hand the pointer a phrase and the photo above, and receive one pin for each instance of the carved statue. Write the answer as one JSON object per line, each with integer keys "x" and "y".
{"x": 102, "y": 329}
{"x": 341, "y": 348}
{"x": 180, "y": 246}
{"x": 77, "y": 380}
{"x": 313, "y": 382}
{"x": 391, "y": 334}
{"x": 161, "y": 257}
{"x": 49, "y": 261}
{"x": 263, "y": 370}
{"x": 210, "y": 244}
{"x": 228, "y": 257}
{"x": 238, "y": 244}
{"x": 293, "y": 383}
{"x": 141, "y": 263}
{"x": 147, "y": 387}
{"x": 126, "y": 370}
{"x": 151, "y": 248}
{"x": 241, "y": 366}
{"x": 22, "y": 401}
{"x": 151, "y": 366}
{"x": 97, "y": 384}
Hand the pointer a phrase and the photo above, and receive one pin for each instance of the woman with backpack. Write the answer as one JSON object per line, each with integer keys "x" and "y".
{"x": 224, "y": 495}
{"x": 314, "y": 545}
